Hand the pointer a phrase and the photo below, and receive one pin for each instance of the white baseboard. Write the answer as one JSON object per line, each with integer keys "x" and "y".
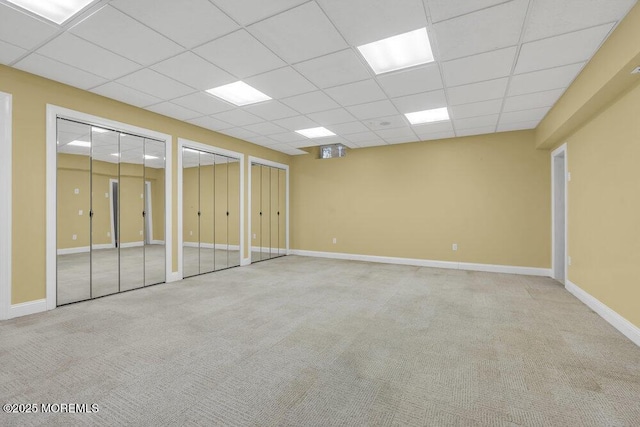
{"x": 157, "y": 242}
{"x": 245, "y": 261}
{"x": 625, "y": 327}
{"x": 528, "y": 271}
{"x": 131, "y": 245}
{"x": 219, "y": 246}
{"x": 83, "y": 249}
{"x": 174, "y": 277}
{"x": 26, "y": 308}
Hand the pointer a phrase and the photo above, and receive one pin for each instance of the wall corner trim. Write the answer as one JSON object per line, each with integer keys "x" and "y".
{"x": 26, "y": 308}
{"x": 245, "y": 261}
{"x": 452, "y": 265}
{"x": 6, "y": 142}
{"x": 625, "y": 327}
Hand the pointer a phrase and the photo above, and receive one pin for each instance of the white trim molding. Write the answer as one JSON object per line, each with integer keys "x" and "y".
{"x": 186, "y": 143}
{"x": 6, "y": 203}
{"x": 561, "y": 150}
{"x": 27, "y": 308}
{"x": 53, "y": 112}
{"x": 452, "y": 265}
{"x": 625, "y": 327}
{"x": 264, "y": 162}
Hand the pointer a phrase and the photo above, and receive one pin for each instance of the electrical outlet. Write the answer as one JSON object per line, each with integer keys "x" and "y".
{"x": 568, "y": 176}
{"x": 191, "y": 233}
{"x": 454, "y": 247}
{"x": 106, "y": 195}
{"x": 569, "y": 260}
{"x": 76, "y": 191}
{"x": 108, "y": 234}
{"x": 335, "y": 240}
{"x": 254, "y": 236}
{"x": 142, "y": 196}
{"x": 141, "y": 232}
{"x": 80, "y": 212}
{"x": 74, "y": 237}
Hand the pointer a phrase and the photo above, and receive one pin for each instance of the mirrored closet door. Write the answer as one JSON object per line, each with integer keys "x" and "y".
{"x": 110, "y": 211}
{"x": 268, "y": 212}
{"x": 210, "y": 212}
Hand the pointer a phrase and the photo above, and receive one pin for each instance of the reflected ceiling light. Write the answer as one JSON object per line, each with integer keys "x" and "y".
{"x": 57, "y": 11}
{"x": 398, "y": 52}
{"x": 428, "y": 116}
{"x": 315, "y": 132}
{"x": 239, "y": 93}
{"x": 148, "y": 157}
{"x": 191, "y": 150}
{"x": 85, "y": 144}
{"x": 115, "y": 154}
{"x": 99, "y": 130}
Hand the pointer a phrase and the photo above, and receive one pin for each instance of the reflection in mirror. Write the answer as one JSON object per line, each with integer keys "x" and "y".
{"x": 256, "y": 212}
{"x": 131, "y": 203}
{"x": 221, "y": 212}
{"x": 106, "y": 222}
{"x": 190, "y": 209}
{"x": 265, "y": 218}
{"x": 208, "y": 257}
{"x": 282, "y": 208}
{"x": 275, "y": 188}
{"x": 154, "y": 212}
{"x": 233, "y": 207}
{"x": 73, "y": 206}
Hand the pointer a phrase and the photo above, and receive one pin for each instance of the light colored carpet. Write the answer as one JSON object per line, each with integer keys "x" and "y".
{"x": 206, "y": 260}
{"x": 304, "y": 341}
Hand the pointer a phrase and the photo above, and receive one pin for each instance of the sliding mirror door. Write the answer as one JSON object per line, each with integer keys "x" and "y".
{"x": 207, "y": 185}
{"x": 233, "y": 207}
{"x": 256, "y": 212}
{"x": 190, "y": 210}
{"x": 275, "y": 212}
{"x": 265, "y": 217}
{"x": 154, "y": 213}
{"x": 282, "y": 212}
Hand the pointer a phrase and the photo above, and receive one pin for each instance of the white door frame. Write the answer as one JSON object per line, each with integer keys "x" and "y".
{"x": 5, "y": 203}
{"x": 559, "y": 152}
{"x": 185, "y": 143}
{"x": 53, "y": 112}
{"x": 264, "y": 162}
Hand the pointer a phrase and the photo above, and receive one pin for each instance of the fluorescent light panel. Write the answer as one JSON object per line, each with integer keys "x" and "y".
{"x": 315, "y": 132}
{"x": 85, "y": 144}
{"x": 239, "y": 93}
{"x": 428, "y": 116}
{"x": 57, "y": 11}
{"x": 398, "y": 52}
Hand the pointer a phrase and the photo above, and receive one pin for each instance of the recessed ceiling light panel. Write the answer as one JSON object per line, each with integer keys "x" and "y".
{"x": 428, "y": 116}
{"x": 57, "y": 11}
{"x": 315, "y": 132}
{"x": 398, "y": 52}
{"x": 239, "y": 93}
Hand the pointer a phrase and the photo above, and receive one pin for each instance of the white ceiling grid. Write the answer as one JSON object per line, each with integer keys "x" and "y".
{"x": 500, "y": 65}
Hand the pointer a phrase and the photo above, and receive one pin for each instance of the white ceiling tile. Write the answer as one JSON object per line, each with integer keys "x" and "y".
{"x": 117, "y": 32}
{"x": 271, "y": 110}
{"x": 437, "y": 135}
{"x": 210, "y": 123}
{"x": 415, "y": 80}
{"x": 262, "y": 140}
{"x": 22, "y": 30}
{"x": 332, "y": 117}
{"x": 401, "y": 140}
{"x": 9, "y": 52}
{"x": 265, "y": 128}
{"x": 421, "y": 101}
{"x": 249, "y": 11}
{"x": 334, "y": 69}
{"x": 312, "y": 142}
{"x": 476, "y": 109}
{"x": 194, "y": 71}
{"x": 372, "y": 143}
{"x": 237, "y": 117}
{"x": 365, "y": 21}
{"x": 508, "y": 127}
{"x": 203, "y": 103}
{"x": 172, "y": 110}
{"x": 298, "y": 34}
{"x": 476, "y": 92}
{"x": 54, "y": 70}
{"x": 357, "y": 93}
{"x": 523, "y": 116}
{"x": 362, "y": 136}
{"x": 532, "y": 100}
{"x": 476, "y": 131}
{"x": 281, "y": 83}
{"x": 373, "y": 109}
{"x": 561, "y": 50}
{"x": 240, "y": 54}
{"x": 287, "y": 149}
{"x": 477, "y": 68}
{"x": 287, "y": 137}
{"x": 537, "y": 81}
{"x": 240, "y": 133}
{"x": 488, "y": 29}
{"x": 388, "y": 122}
{"x": 310, "y": 102}
{"x": 125, "y": 94}
{"x": 431, "y": 128}
{"x": 86, "y": 56}
{"x": 189, "y": 26}
{"x": 476, "y": 122}
{"x": 296, "y": 123}
{"x": 348, "y": 128}
{"x": 401, "y": 132}
{"x": 153, "y": 83}
{"x": 447, "y": 9}
{"x": 551, "y": 17}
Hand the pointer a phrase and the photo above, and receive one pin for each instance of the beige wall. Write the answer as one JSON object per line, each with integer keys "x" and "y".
{"x": 489, "y": 194}
{"x": 31, "y": 94}
{"x": 604, "y": 206}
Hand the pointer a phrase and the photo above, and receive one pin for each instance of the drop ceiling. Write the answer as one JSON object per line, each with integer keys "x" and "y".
{"x": 499, "y": 65}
